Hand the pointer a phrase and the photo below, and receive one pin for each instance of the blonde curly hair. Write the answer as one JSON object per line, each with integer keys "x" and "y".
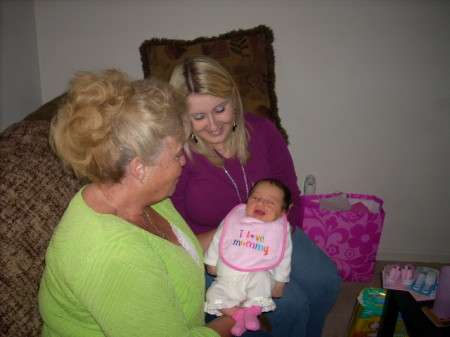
{"x": 108, "y": 119}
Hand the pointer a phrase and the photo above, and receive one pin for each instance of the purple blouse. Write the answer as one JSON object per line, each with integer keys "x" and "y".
{"x": 205, "y": 193}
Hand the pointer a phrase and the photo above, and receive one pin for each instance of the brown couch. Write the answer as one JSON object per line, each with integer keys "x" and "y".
{"x": 34, "y": 192}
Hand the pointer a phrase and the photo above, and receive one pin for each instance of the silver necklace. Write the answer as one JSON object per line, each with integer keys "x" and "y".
{"x": 234, "y": 183}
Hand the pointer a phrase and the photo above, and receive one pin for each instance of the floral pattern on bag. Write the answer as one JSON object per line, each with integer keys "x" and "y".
{"x": 350, "y": 238}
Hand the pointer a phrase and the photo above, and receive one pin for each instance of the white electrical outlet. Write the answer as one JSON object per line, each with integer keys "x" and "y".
{"x": 309, "y": 186}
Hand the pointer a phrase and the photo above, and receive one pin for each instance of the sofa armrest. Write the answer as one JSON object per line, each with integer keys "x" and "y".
{"x": 46, "y": 111}
{"x": 34, "y": 192}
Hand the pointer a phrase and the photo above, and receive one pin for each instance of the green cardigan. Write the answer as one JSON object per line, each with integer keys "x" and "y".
{"x": 107, "y": 277}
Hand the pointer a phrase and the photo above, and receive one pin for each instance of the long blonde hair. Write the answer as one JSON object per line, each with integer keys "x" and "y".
{"x": 204, "y": 75}
{"x": 108, "y": 119}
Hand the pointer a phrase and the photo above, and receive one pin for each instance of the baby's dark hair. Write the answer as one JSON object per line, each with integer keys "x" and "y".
{"x": 287, "y": 200}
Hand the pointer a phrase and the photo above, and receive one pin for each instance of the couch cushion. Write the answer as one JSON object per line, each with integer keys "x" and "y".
{"x": 34, "y": 192}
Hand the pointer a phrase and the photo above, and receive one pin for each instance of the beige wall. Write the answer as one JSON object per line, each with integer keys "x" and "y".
{"x": 363, "y": 89}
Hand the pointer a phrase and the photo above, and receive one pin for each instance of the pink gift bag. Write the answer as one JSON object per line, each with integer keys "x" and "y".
{"x": 349, "y": 237}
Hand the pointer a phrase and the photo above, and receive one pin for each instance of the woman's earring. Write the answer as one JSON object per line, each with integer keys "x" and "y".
{"x": 194, "y": 138}
{"x": 234, "y": 123}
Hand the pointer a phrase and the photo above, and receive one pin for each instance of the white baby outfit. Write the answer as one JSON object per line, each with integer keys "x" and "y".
{"x": 250, "y": 256}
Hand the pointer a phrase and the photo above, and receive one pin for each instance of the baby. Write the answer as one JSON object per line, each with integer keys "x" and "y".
{"x": 251, "y": 255}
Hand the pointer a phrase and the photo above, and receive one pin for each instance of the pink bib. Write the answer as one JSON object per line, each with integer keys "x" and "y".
{"x": 249, "y": 244}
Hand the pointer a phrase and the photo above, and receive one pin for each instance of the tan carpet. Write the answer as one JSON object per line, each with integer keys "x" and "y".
{"x": 341, "y": 314}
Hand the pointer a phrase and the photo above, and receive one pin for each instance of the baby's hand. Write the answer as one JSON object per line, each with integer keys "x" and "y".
{"x": 211, "y": 270}
{"x": 277, "y": 291}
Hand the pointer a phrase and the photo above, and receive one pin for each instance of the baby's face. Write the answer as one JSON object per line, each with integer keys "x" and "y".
{"x": 265, "y": 203}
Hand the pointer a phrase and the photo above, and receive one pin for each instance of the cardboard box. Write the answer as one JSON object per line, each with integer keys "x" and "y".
{"x": 367, "y": 315}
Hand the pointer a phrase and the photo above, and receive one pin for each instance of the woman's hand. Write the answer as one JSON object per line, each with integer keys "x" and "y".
{"x": 222, "y": 325}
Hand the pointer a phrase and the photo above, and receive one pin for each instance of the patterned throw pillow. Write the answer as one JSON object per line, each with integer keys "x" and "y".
{"x": 246, "y": 53}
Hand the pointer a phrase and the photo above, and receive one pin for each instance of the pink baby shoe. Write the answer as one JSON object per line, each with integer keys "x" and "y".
{"x": 392, "y": 273}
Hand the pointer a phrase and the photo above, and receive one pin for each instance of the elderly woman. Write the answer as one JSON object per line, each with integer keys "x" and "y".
{"x": 122, "y": 261}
